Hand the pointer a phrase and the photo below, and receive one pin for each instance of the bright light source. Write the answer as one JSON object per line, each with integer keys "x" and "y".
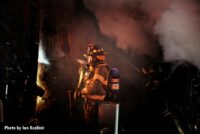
{"x": 41, "y": 55}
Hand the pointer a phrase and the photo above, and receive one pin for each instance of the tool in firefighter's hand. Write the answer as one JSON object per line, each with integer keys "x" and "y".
{"x": 83, "y": 68}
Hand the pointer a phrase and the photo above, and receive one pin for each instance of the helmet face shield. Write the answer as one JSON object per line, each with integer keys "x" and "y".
{"x": 89, "y": 59}
{"x": 89, "y": 49}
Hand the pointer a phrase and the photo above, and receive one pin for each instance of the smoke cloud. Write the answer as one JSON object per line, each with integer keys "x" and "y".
{"x": 138, "y": 25}
{"x": 179, "y": 31}
{"x": 122, "y": 20}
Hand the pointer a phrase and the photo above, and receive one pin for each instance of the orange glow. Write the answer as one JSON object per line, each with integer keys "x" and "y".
{"x": 40, "y": 102}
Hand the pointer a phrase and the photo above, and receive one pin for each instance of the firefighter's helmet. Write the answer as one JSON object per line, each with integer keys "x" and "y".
{"x": 95, "y": 51}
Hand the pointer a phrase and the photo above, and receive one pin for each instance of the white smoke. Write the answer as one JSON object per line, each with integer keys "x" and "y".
{"x": 179, "y": 32}
{"x": 176, "y": 22}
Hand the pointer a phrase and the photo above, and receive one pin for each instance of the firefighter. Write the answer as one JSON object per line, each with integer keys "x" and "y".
{"x": 95, "y": 83}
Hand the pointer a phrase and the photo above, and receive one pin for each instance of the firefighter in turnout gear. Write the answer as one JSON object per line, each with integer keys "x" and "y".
{"x": 95, "y": 83}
